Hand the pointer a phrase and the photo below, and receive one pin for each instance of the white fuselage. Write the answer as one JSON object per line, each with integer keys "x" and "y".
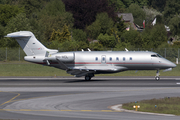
{"x": 94, "y": 60}
{"x": 88, "y": 63}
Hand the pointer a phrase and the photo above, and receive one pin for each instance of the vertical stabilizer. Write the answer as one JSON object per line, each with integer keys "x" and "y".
{"x": 30, "y": 44}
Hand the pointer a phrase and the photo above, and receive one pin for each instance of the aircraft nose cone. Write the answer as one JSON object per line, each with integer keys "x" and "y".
{"x": 173, "y": 65}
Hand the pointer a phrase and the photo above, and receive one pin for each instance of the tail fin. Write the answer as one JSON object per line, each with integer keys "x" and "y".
{"x": 30, "y": 44}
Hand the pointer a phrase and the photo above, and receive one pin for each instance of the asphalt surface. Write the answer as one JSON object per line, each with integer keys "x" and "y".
{"x": 69, "y": 98}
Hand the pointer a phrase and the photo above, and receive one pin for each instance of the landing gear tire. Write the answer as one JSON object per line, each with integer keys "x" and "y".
{"x": 87, "y": 78}
{"x": 157, "y": 78}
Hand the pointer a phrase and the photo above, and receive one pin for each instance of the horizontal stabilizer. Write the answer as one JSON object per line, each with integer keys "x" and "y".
{"x": 19, "y": 34}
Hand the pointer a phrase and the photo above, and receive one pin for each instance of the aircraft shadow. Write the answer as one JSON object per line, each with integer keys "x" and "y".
{"x": 76, "y": 81}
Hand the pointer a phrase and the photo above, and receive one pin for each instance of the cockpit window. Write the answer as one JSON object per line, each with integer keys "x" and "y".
{"x": 156, "y": 55}
{"x": 159, "y": 55}
{"x": 153, "y": 56}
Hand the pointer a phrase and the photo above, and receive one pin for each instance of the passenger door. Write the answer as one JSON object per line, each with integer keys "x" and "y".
{"x": 103, "y": 59}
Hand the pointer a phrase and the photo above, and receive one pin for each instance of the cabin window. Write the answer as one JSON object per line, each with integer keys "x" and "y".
{"x": 110, "y": 58}
{"x": 124, "y": 58}
{"x": 117, "y": 59}
{"x": 96, "y": 58}
{"x": 130, "y": 58}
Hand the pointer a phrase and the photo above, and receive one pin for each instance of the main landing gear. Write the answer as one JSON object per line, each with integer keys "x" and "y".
{"x": 88, "y": 77}
{"x": 157, "y": 75}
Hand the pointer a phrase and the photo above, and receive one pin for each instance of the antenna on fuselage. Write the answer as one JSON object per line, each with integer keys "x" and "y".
{"x": 88, "y": 49}
{"x": 126, "y": 49}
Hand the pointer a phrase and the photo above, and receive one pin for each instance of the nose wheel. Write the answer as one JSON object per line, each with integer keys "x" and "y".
{"x": 157, "y": 76}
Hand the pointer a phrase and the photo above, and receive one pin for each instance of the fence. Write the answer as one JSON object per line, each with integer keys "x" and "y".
{"x": 11, "y": 54}
{"x": 17, "y": 54}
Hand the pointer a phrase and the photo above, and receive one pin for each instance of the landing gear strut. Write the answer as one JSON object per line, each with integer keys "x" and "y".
{"x": 157, "y": 75}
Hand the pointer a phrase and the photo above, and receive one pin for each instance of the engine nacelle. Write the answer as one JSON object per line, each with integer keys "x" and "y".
{"x": 65, "y": 56}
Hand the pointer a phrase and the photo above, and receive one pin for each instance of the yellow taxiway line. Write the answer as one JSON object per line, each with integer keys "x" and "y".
{"x": 18, "y": 94}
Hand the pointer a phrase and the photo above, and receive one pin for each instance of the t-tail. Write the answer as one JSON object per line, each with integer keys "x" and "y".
{"x": 31, "y": 46}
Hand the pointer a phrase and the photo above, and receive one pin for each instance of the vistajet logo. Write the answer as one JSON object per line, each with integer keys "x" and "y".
{"x": 37, "y": 48}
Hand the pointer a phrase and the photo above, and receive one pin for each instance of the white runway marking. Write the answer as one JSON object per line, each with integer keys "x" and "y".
{"x": 74, "y": 78}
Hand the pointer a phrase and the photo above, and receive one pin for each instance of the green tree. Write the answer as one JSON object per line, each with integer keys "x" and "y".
{"x": 103, "y": 24}
{"x": 151, "y": 13}
{"x": 31, "y": 7}
{"x": 133, "y": 37}
{"x": 118, "y": 5}
{"x": 155, "y": 36}
{"x": 54, "y": 8}
{"x": 138, "y": 13}
{"x": 1, "y": 31}
{"x": 171, "y": 9}
{"x": 7, "y": 12}
{"x": 176, "y": 44}
{"x": 4, "y": 1}
{"x": 141, "y": 3}
{"x": 174, "y": 25}
{"x": 107, "y": 41}
{"x": 96, "y": 46}
{"x": 79, "y": 35}
{"x": 61, "y": 36}
{"x": 18, "y": 23}
{"x": 10, "y": 2}
{"x": 54, "y": 16}
{"x": 122, "y": 45}
{"x": 157, "y": 4}
{"x": 1, "y": 35}
{"x": 85, "y": 11}
{"x": 119, "y": 28}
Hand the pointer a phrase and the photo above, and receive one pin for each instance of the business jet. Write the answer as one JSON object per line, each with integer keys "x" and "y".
{"x": 88, "y": 63}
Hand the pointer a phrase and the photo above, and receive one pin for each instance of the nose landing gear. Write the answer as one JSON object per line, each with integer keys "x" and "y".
{"x": 157, "y": 75}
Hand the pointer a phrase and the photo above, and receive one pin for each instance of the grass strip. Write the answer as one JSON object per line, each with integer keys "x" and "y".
{"x": 29, "y": 69}
{"x": 167, "y": 105}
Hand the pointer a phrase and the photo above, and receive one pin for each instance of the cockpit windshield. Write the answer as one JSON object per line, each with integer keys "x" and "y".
{"x": 159, "y": 56}
{"x": 156, "y": 55}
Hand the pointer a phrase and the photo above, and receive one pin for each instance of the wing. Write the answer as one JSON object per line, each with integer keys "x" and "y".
{"x": 84, "y": 70}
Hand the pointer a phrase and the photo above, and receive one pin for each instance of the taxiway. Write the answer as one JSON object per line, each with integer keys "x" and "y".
{"x": 69, "y": 98}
